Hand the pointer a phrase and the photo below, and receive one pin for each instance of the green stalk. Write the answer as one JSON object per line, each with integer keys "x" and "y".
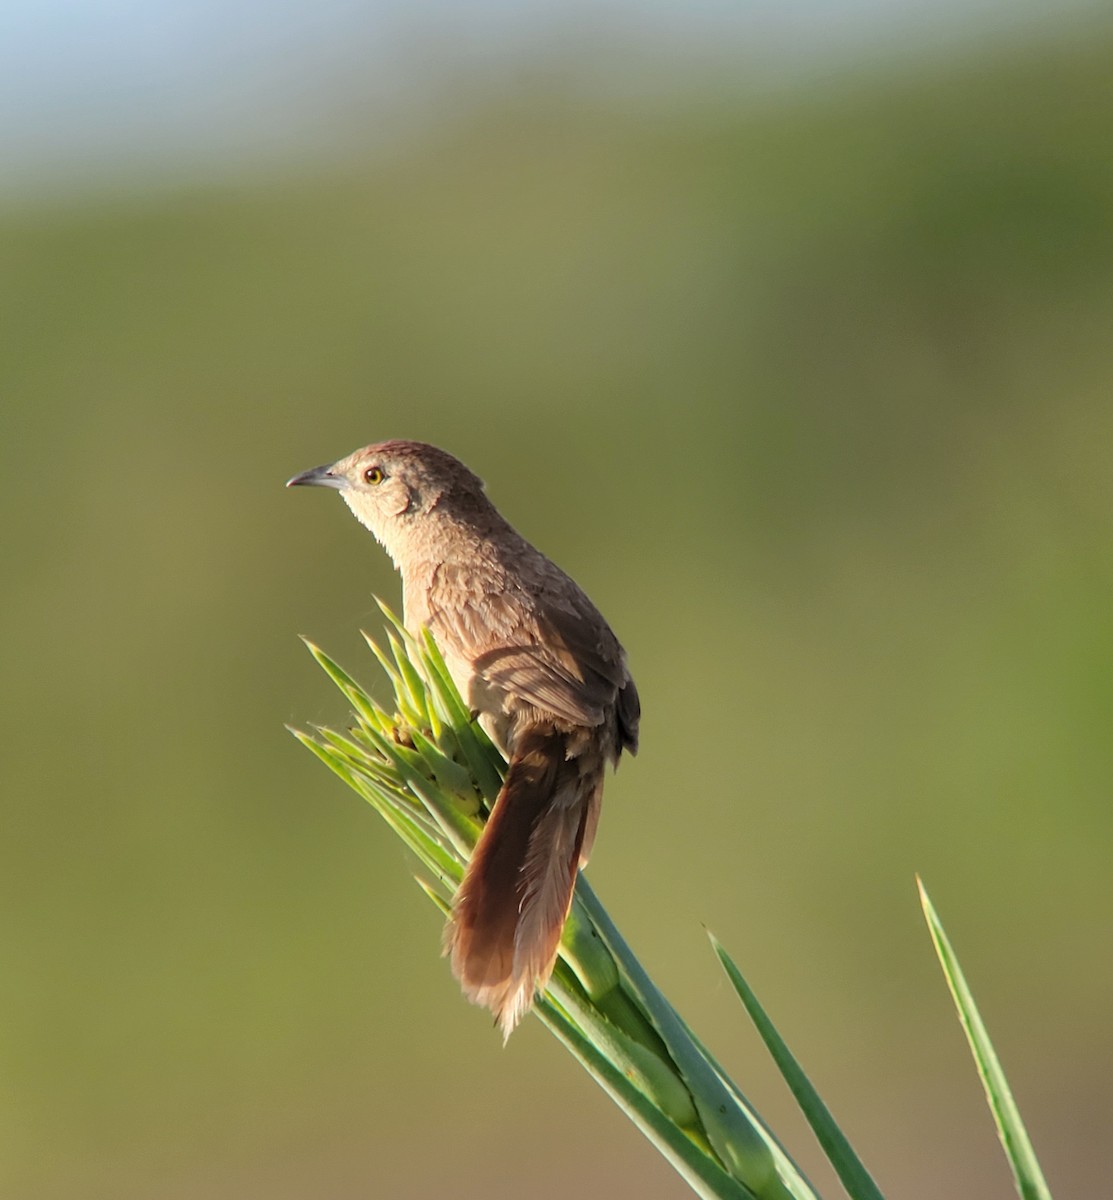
{"x": 427, "y": 768}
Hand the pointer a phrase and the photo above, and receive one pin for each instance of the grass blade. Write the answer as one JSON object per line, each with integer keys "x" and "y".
{"x": 848, "y": 1166}
{"x": 740, "y": 1144}
{"x": 1030, "y": 1182}
{"x": 701, "y": 1172}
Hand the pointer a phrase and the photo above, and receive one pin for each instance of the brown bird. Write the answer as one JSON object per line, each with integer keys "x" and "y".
{"x": 547, "y": 678}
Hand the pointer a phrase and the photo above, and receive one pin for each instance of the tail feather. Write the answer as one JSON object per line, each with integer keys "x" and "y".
{"x": 591, "y": 820}
{"x": 511, "y": 907}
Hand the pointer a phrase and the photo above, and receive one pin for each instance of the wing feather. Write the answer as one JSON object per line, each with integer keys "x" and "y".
{"x": 556, "y": 652}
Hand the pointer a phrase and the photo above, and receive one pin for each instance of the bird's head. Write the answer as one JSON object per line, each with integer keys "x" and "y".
{"x": 391, "y": 486}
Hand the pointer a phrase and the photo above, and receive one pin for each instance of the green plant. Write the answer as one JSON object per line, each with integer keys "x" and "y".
{"x": 431, "y": 772}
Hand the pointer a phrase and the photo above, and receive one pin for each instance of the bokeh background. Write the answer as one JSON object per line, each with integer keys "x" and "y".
{"x": 787, "y": 331}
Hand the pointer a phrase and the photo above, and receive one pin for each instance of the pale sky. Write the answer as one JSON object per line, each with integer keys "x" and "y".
{"x": 92, "y": 87}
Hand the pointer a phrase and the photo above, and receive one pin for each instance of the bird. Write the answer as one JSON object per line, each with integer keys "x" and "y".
{"x": 542, "y": 672}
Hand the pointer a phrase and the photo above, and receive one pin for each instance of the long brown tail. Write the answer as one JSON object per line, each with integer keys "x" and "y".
{"x": 511, "y": 907}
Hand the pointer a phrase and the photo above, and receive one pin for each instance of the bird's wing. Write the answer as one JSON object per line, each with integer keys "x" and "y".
{"x": 555, "y": 652}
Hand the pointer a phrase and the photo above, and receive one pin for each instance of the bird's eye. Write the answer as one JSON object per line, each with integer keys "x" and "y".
{"x": 374, "y": 475}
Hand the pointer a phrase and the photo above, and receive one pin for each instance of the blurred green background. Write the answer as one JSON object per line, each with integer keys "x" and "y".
{"x": 804, "y": 373}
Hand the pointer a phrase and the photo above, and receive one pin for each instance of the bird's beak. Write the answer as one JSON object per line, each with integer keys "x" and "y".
{"x": 319, "y": 477}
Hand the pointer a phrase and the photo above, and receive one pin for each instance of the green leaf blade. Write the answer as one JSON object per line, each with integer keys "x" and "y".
{"x": 1030, "y": 1183}
{"x": 741, "y": 1144}
{"x": 702, "y": 1173}
{"x": 848, "y": 1166}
